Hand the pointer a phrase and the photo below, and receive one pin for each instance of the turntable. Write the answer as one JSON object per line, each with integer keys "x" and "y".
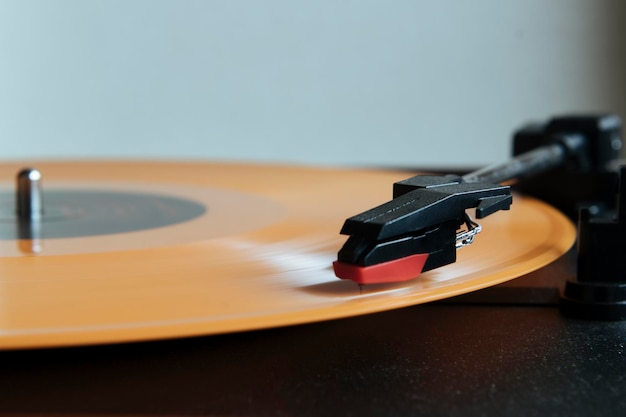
{"x": 143, "y": 288}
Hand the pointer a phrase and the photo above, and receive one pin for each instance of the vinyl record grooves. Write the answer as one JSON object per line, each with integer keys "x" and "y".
{"x": 133, "y": 251}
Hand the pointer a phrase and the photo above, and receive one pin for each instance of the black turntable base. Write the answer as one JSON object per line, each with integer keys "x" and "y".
{"x": 505, "y": 350}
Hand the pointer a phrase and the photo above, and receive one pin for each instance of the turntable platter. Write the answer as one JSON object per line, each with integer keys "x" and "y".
{"x": 228, "y": 247}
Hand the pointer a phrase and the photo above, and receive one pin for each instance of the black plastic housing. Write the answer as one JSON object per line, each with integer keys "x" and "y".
{"x": 599, "y": 291}
{"x": 587, "y": 178}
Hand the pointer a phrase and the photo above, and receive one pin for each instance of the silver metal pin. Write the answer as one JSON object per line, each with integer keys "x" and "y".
{"x": 29, "y": 198}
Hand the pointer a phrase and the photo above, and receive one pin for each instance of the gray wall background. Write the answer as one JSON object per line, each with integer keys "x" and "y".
{"x": 377, "y": 83}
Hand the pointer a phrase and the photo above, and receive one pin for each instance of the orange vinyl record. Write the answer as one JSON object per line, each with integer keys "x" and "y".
{"x": 133, "y": 251}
